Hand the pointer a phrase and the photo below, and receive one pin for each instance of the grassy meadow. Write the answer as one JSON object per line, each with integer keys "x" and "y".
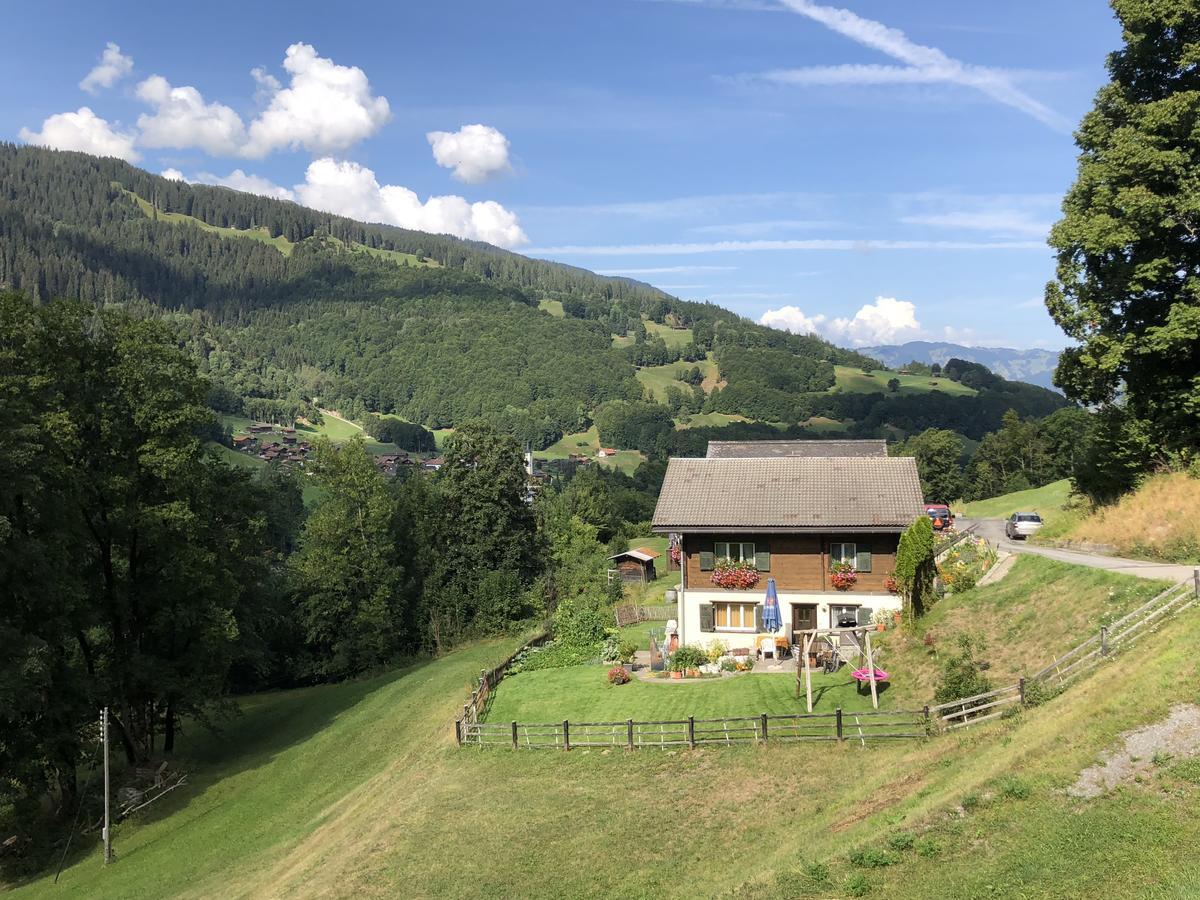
{"x": 656, "y": 379}
{"x": 357, "y": 790}
{"x": 1160, "y": 521}
{"x": 587, "y": 443}
{"x": 855, "y": 381}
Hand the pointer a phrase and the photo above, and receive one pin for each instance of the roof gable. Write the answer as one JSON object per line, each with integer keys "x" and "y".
{"x": 789, "y": 493}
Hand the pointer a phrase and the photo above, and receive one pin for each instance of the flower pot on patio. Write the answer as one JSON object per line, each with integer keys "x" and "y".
{"x": 693, "y": 673}
{"x": 879, "y": 627}
{"x": 896, "y": 618}
{"x": 676, "y": 674}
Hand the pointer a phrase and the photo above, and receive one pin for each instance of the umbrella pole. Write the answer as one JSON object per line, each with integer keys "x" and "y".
{"x": 871, "y": 672}
{"x": 808, "y": 641}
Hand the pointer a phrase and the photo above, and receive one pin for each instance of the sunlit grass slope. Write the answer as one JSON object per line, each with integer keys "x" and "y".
{"x": 357, "y": 790}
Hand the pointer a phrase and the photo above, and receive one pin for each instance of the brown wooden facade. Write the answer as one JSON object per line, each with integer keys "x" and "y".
{"x": 797, "y": 562}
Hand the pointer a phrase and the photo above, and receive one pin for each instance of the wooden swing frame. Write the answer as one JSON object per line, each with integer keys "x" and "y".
{"x": 861, "y": 636}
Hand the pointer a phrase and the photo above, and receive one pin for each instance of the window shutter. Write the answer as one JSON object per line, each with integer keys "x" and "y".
{"x": 863, "y": 564}
{"x": 864, "y": 615}
{"x": 706, "y": 617}
{"x": 762, "y": 560}
{"x": 758, "y": 626}
{"x": 707, "y": 561}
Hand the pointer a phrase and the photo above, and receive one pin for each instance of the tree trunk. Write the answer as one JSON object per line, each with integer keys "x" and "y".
{"x": 169, "y": 727}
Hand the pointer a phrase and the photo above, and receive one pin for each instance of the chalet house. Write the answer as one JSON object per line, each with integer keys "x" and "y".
{"x": 433, "y": 463}
{"x": 605, "y": 452}
{"x": 243, "y": 442}
{"x": 636, "y": 566}
{"x": 790, "y": 516}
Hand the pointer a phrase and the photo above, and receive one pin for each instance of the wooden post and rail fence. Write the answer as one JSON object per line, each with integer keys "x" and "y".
{"x": 633, "y": 613}
{"x": 1108, "y": 640}
{"x": 838, "y": 726}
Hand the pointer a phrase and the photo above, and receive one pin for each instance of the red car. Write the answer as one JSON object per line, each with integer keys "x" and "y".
{"x": 940, "y": 513}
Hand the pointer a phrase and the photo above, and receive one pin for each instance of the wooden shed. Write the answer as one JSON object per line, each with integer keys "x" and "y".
{"x": 636, "y": 565}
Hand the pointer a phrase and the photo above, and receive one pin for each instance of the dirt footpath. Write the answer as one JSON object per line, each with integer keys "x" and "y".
{"x": 1178, "y": 735}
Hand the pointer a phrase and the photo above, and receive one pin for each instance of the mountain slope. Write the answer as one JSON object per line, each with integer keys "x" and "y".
{"x": 1030, "y": 366}
{"x": 357, "y": 790}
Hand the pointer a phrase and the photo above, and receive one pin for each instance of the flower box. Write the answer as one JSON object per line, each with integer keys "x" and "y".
{"x": 735, "y": 575}
{"x": 843, "y": 576}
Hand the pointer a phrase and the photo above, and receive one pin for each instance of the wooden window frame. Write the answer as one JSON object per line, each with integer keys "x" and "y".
{"x": 843, "y": 545}
{"x": 741, "y": 545}
{"x": 746, "y": 607}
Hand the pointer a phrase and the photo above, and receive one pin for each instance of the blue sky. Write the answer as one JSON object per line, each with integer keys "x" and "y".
{"x": 875, "y": 171}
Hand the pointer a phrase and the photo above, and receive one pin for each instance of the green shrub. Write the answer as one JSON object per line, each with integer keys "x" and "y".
{"x": 856, "y": 885}
{"x": 688, "y": 657}
{"x": 627, "y": 651}
{"x": 728, "y": 665}
{"x": 970, "y": 802}
{"x": 962, "y": 672}
{"x": 872, "y": 858}
{"x": 1010, "y": 787}
{"x": 1038, "y": 692}
{"x": 901, "y": 840}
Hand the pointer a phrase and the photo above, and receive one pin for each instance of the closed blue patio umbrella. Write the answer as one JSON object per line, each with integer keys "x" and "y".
{"x": 771, "y": 619}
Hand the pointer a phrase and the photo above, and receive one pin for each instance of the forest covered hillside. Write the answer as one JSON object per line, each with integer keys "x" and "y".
{"x": 287, "y": 309}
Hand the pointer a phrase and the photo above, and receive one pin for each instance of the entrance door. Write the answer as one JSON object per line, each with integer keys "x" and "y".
{"x": 804, "y": 618}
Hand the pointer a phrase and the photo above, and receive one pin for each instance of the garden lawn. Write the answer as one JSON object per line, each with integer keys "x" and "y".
{"x": 583, "y": 694}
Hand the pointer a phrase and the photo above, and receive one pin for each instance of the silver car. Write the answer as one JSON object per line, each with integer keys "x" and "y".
{"x": 1021, "y": 525}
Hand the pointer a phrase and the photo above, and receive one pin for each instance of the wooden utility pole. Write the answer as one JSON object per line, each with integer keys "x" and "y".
{"x": 108, "y": 852}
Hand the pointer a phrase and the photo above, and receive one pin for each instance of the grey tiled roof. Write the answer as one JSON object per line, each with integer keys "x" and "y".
{"x": 777, "y": 449}
{"x": 789, "y": 493}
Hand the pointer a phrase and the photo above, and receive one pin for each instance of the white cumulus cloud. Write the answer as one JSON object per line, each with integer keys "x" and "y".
{"x": 113, "y": 66}
{"x": 886, "y": 321}
{"x": 183, "y": 119}
{"x": 475, "y": 152}
{"x": 325, "y": 107}
{"x": 173, "y": 175}
{"x": 349, "y": 189}
{"x": 793, "y": 319}
{"x": 82, "y": 130}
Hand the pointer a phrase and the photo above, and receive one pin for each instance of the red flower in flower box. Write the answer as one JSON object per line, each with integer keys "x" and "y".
{"x": 735, "y": 575}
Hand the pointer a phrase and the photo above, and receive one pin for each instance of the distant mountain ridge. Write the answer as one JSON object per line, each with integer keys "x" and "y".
{"x": 1030, "y": 366}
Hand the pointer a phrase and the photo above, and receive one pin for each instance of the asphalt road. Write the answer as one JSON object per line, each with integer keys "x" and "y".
{"x": 993, "y": 530}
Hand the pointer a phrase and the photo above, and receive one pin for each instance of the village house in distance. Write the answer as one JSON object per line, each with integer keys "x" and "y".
{"x": 800, "y": 512}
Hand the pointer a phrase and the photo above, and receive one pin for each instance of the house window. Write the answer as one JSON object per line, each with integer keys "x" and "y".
{"x": 734, "y": 551}
{"x": 843, "y": 553}
{"x": 734, "y": 616}
{"x": 838, "y": 614}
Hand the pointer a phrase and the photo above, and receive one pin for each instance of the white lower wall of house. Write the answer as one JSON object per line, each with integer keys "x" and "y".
{"x": 691, "y": 601}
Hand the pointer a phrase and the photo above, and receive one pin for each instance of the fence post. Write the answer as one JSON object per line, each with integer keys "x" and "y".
{"x": 838, "y": 723}
{"x": 1196, "y": 580}
{"x": 458, "y": 732}
{"x": 763, "y": 721}
{"x": 926, "y": 712}
{"x": 566, "y": 735}
{"x": 1104, "y": 640}
{"x": 1021, "y": 688}
{"x": 514, "y": 734}
{"x": 692, "y": 732}
{"x": 629, "y": 732}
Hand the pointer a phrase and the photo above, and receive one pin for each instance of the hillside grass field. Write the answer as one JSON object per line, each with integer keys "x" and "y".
{"x": 357, "y": 790}
{"x": 656, "y": 379}
{"x": 1050, "y": 501}
{"x": 279, "y": 242}
{"x": 672, "y": 337}
{"x": 853, "y": 381}
{"x": 587, "y": 443}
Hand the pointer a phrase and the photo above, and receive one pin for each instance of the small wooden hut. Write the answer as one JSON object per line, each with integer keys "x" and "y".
{"x": 636, "y": 566}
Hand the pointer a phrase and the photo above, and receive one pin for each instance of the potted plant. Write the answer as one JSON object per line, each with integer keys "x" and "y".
{"x": 843, "y": 575}
{"x": 890, "y": 584}
{"x": 627, "y": 651}
{"x": 880, "y": 618}
{"x": 735, "y": 575}
{"x": 688, "y": 660}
